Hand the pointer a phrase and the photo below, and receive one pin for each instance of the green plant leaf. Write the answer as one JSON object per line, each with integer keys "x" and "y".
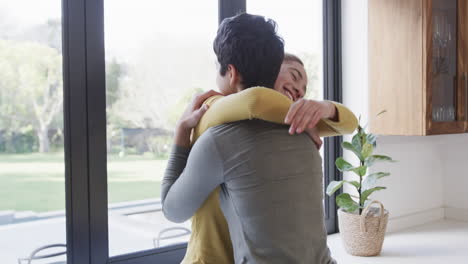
{"x": 360, "y": 128}
{"x": 374, "y": 158}
{"x": 343, "y": 165}
{"x": 368, "y": 192}
{"x": 333, "y": 187}
{"x": 371, "y": 179}
{"x": 360, "y": 171}
{"x": 367, "y": 150}
{"x": 351, "y": 147}
{"x": 362, "y": 133}
{"x": 356, "y": 141}
{"x": 355, "y": 184}
{"x": 372, "y": 139}
{"x": 347, "y": 203}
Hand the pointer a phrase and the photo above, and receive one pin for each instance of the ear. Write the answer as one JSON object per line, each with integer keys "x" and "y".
{"x": 234, "y": 76}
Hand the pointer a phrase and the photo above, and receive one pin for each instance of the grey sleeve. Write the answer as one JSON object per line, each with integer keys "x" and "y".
{"x": 190, "y": 177}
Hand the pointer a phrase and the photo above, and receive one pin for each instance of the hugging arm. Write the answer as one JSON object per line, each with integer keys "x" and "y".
{"x": 190, "y": 177}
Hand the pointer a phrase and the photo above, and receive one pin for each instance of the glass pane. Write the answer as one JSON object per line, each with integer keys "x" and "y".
{"x": 300, "y": 23}
{"x": 158, "y": 54}
{"x": 444, "y": 60}
{"x": 32, "y": 170}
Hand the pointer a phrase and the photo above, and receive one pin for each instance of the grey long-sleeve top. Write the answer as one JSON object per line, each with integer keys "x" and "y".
{"x": 271, "y": 190}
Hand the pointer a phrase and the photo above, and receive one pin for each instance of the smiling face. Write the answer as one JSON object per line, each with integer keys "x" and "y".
{"x": 292, "y": 80}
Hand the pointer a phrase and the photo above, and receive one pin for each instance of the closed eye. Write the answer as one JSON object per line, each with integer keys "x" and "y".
{"x": 294, "y": 77}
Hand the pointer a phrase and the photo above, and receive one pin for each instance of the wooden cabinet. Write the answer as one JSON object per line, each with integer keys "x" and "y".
{"x": 418, "y": 52}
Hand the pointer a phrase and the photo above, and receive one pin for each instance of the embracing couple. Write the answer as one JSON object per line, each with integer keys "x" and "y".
{"x": 252, "y": 182}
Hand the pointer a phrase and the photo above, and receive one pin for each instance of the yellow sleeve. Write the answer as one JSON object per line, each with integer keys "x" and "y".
{"x": 346, "y": 124}
{"x": 269, "y": 105}
{"x": 259, "y": 102}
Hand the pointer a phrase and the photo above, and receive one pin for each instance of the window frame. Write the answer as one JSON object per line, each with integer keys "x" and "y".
{"x": 85, "y": 130}
{"x": 332, "y": 81}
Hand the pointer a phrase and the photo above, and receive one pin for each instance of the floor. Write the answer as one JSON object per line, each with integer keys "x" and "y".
{"x": 130, "y": 230}
{"x": 442, "y": 242}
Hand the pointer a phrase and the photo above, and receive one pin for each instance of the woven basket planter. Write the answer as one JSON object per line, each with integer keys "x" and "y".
{"x": 363, "y": 235}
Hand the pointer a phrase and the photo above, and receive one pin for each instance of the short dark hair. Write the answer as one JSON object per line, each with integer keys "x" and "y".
{"x": 252, "y": 45}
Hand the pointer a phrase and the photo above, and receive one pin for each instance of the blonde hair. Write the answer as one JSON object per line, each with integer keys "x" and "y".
{"x": 288, "y": 57}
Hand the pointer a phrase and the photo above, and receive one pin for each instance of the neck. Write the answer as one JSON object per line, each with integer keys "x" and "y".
{"x": 239, "y": 87}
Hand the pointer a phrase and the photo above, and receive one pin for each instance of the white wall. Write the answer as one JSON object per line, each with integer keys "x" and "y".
{"x": 455, "y": 159}
{"x": 416, "y": 187}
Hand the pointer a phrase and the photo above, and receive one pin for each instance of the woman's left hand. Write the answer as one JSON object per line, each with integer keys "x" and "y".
{"x": 305, "y": 114}
{"x": 191, "y": 117}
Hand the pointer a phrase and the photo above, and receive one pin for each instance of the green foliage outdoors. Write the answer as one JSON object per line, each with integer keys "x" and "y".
{"x": 362, "y": 146}
{"x": 143, "y": 93}
{"x": 36, "y": 182}
{"x": 31, "y": 91}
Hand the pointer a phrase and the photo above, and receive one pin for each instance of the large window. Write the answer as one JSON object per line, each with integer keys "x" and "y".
{"x": 86, "y": 153}
{"x": 158, "y": 55}
{"x": 32, "y": 170}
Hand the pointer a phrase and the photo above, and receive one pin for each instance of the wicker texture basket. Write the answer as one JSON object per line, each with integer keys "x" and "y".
{"x": 363, "y": 235}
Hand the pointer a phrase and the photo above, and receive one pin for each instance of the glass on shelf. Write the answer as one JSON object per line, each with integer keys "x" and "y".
{"x": 444, "y": 60}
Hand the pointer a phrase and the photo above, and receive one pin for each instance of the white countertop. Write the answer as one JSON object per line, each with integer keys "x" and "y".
{"x": 441, "y": 242}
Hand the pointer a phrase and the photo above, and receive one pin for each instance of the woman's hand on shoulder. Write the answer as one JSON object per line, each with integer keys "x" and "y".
{"x": 305, "y": 114}
{"x": 191, "y": 117}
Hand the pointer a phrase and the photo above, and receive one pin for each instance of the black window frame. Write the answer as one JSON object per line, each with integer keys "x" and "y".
{"x": 85, "y": 130}
{"x": 332, "y": 80}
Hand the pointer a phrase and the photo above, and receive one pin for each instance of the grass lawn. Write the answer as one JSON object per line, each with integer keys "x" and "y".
{"x": 36, "y": 182}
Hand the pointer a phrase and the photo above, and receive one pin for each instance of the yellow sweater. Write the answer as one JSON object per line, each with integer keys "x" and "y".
{"x": 210, "y": 242}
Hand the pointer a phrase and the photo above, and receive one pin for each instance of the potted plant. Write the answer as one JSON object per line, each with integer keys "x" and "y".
{"x": 362, "y": 228}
